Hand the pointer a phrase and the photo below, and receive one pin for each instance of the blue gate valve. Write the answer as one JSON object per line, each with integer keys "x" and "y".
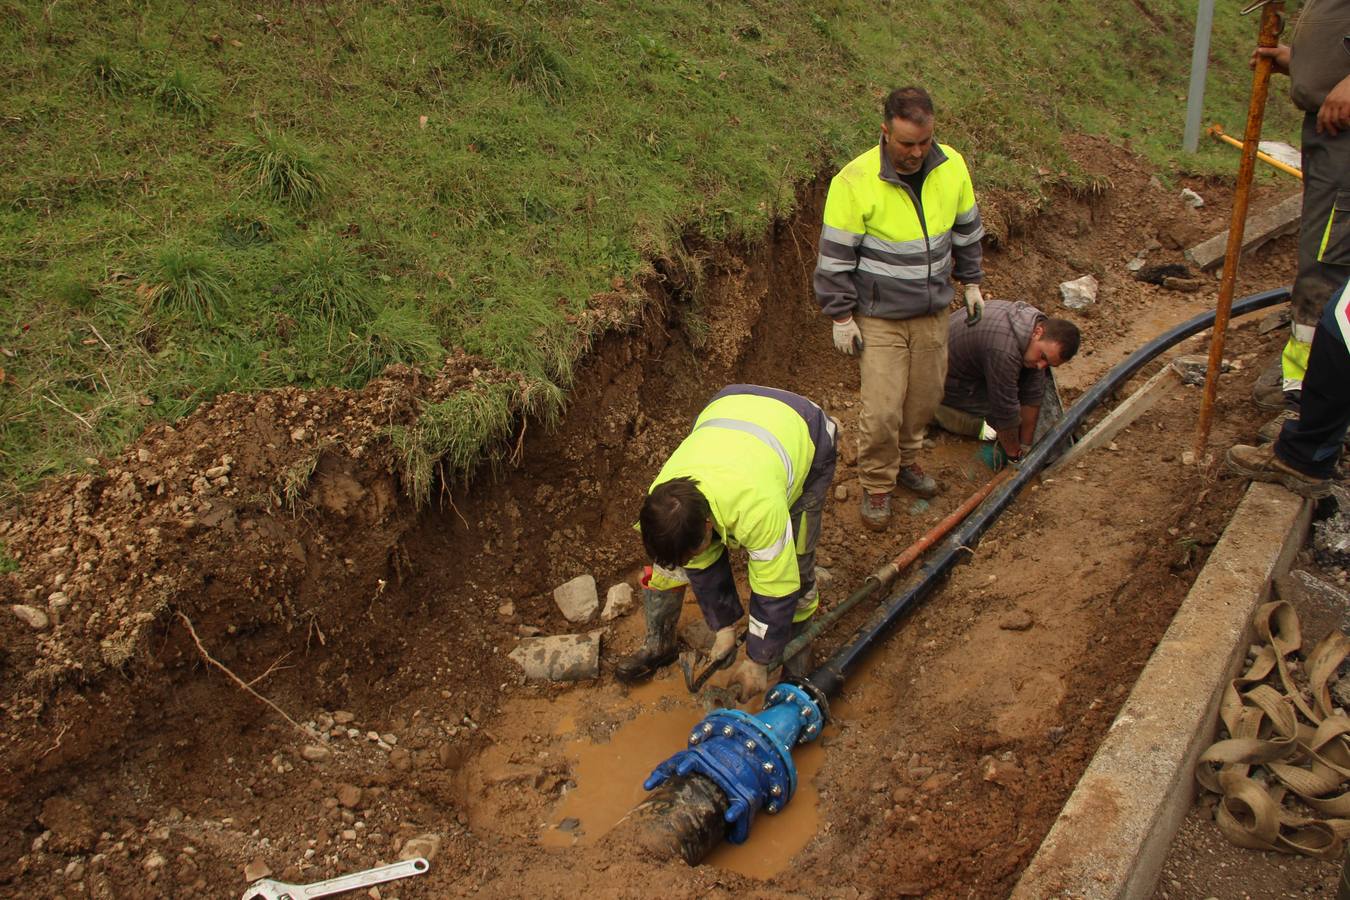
{"x": 749, "y": 757}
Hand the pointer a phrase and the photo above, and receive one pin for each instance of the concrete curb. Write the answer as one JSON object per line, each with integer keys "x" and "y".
{"x": 1112, "y": 836}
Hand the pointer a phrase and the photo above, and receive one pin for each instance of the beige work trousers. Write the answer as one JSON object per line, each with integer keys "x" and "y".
{"x": 904, "y": 364}
{"x": 959, "y": 422}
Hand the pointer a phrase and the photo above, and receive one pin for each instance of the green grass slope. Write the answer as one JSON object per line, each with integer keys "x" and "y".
{"x": 205, "y": 197}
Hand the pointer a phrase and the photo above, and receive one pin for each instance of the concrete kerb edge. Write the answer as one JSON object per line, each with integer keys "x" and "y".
{"x": 1113, "y": 834}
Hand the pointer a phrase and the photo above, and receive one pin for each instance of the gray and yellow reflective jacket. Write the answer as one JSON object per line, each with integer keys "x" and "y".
{"x": 883, "y": 255}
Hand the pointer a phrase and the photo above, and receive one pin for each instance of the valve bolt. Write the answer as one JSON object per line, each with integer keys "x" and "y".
{"x": 768, "y": 767}
{"x": 694, "y": 738}
{"x": 773, "y": 807}
{"x": 750, "y": 745}
{"x": 726, "y": 731}
{"x": 776, "y": 790}
{"x": 707, "y": 728}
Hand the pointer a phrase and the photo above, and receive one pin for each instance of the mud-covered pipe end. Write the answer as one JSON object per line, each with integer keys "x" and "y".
{"x": 682, "y": 818}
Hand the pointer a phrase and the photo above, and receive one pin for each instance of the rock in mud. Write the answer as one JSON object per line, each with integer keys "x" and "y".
{"x": 841, "y": 492}
{"x": 349, "y": 795}
{"x": 423, "y": 845}
{"x": 563, "y": 657}
{"x": 70, "y": 825}
{"x": 578, "y": 598}
{"x": 316, "y": 753}
{"x": 1079, "y": 293}
{"x": 618, "y": 602}
{"x": 255, "y": 870}
{"x": 1017, "y": 620}
{"x": 31, "y": 616}
{"x": 1194, "y": 366}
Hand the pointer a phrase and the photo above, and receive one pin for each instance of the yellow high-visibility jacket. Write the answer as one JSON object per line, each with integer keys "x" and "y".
{"x": 882, "y": 254}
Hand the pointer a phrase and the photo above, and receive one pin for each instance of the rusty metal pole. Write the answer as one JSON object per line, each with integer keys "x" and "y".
{"x": 1271, "y": 19}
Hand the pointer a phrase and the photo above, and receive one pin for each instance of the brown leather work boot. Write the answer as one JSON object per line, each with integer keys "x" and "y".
{"x": 876, "y": 510}
{"x": 1261, "y": 464}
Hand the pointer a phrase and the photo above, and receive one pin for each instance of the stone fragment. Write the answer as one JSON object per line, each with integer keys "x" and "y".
{"x": 349, "y": 795}
{"x": 1079, "y": 293}
{"x": 1194, "y": 366}
{"x": 1135, "y": 264}
{"x": 342, "y": 717}
{"x": 256, "y": 869}
{"x": 400, "y": 760}
{"x": 389, "y": 738}
{"x": 1002, "y": 772}
{"x": 618, "y": 602}
{"x": 1184, "y": 285}
{"x": 1192, "y": 199}
{"x": 153, "y": 862}
{"x": 564, "y": 657}
{"x": 578, "y": 598}
{"x": 1019, "y": 619}
{"x": 841, "y": 492}
{"x": 31, "y": 616}
{"x": 506, "y": 610}
{"x": 423, "y": 845}
{"x": 571, "y": 823}
{"x": 315, "y": 753}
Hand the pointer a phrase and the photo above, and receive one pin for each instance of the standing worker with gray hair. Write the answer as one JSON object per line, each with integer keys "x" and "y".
{"x": 900, "y": 223}
{"x": 1318, "y": 64}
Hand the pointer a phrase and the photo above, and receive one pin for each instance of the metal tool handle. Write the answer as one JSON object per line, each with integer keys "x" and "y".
{"x": 369, "y": 877}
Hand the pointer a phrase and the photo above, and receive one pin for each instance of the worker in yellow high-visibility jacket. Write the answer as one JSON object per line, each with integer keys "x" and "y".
{"x": 753, "y": 474}
{"x": 900, "y": 223}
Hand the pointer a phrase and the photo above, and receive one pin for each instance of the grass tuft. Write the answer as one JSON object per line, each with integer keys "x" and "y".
{"x": 328, "y": 282}
{"x": 186, "y": 282}
{"x": 450, "y": 435}
{"x": 182, "y": 94}
{"x": 109, "y": 77}
{"x": 398, "y": 334}
{"x": 282, "y": 168}
{"x": 521, "y": 52}
{"x": 242, "y": 226}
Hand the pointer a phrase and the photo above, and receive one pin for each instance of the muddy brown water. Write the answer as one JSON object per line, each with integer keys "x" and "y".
{"x": 157, "y": 776}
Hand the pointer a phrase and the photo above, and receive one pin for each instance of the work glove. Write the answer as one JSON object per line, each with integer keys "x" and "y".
{"x": 847, "y": 337}
{"x": 724, "y": 643}
{"x": 995, "y": 457}
{"x": 749, "y": 679}
{"x": 974, "y": 304}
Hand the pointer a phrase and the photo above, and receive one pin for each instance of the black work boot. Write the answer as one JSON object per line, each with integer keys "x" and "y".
{"x": 662, "y": 610}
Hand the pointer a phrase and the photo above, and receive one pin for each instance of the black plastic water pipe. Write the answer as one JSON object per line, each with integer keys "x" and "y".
{"x": 829, "y": 678}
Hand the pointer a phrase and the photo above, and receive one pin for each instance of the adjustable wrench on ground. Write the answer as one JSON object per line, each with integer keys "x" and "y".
{"x": 267, "y": 889}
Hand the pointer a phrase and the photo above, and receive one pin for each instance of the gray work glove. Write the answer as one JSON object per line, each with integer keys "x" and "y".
{"x": 974, "y": 304}
{"x": 847, "y": 337}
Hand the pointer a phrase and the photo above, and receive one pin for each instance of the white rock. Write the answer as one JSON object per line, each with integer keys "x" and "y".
{"x": 1135, "y": 264}
{"x": 1079, "y": 293}
{"x": 1194, "y": 200}
{"x": 618, "y": 602}
{"x": 31, "y": 616}
{"x": 563, "y": 657}
{"x": 423, "y": 845}
{"x": 578, "y": 598}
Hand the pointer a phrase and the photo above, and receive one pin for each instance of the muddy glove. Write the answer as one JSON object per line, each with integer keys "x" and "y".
{"x": 974, "y": 304}
{"x": 724, "y": 643}
{"x": 847, "y": 337}
{"x": 750, "y": 679}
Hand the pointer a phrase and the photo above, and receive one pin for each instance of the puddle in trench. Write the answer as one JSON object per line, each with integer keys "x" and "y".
{"x": 609, "y": 780}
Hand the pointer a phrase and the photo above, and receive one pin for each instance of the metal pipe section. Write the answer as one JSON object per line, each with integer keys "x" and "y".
{"x": 737, "y": 764}
{"x": 829, "y": 678}
{"x": 1195, "y": 96}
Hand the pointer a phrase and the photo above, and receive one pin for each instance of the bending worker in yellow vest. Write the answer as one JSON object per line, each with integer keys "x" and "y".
{"x": 900, "y": 224}
{"x": 753, "y": 474}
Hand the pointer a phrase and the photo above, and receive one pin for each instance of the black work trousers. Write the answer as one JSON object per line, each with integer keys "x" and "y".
{"x": 1312, "y": 442}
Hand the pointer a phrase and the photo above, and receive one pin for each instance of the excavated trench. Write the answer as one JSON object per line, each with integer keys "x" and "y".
{"x": 132, "y": 759}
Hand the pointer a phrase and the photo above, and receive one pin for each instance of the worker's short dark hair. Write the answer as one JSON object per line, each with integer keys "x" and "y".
{"x": 1064, "y": 333}
{"x": 912, "y": 103}
{"x": 673, "y": 521}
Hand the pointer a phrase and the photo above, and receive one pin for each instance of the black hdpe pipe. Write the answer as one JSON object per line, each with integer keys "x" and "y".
{"x": 685, "y": 816}
{"x": 829, "y": 678}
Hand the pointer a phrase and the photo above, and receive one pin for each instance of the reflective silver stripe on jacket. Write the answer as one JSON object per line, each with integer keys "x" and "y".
{"x": 762, "y": 434}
